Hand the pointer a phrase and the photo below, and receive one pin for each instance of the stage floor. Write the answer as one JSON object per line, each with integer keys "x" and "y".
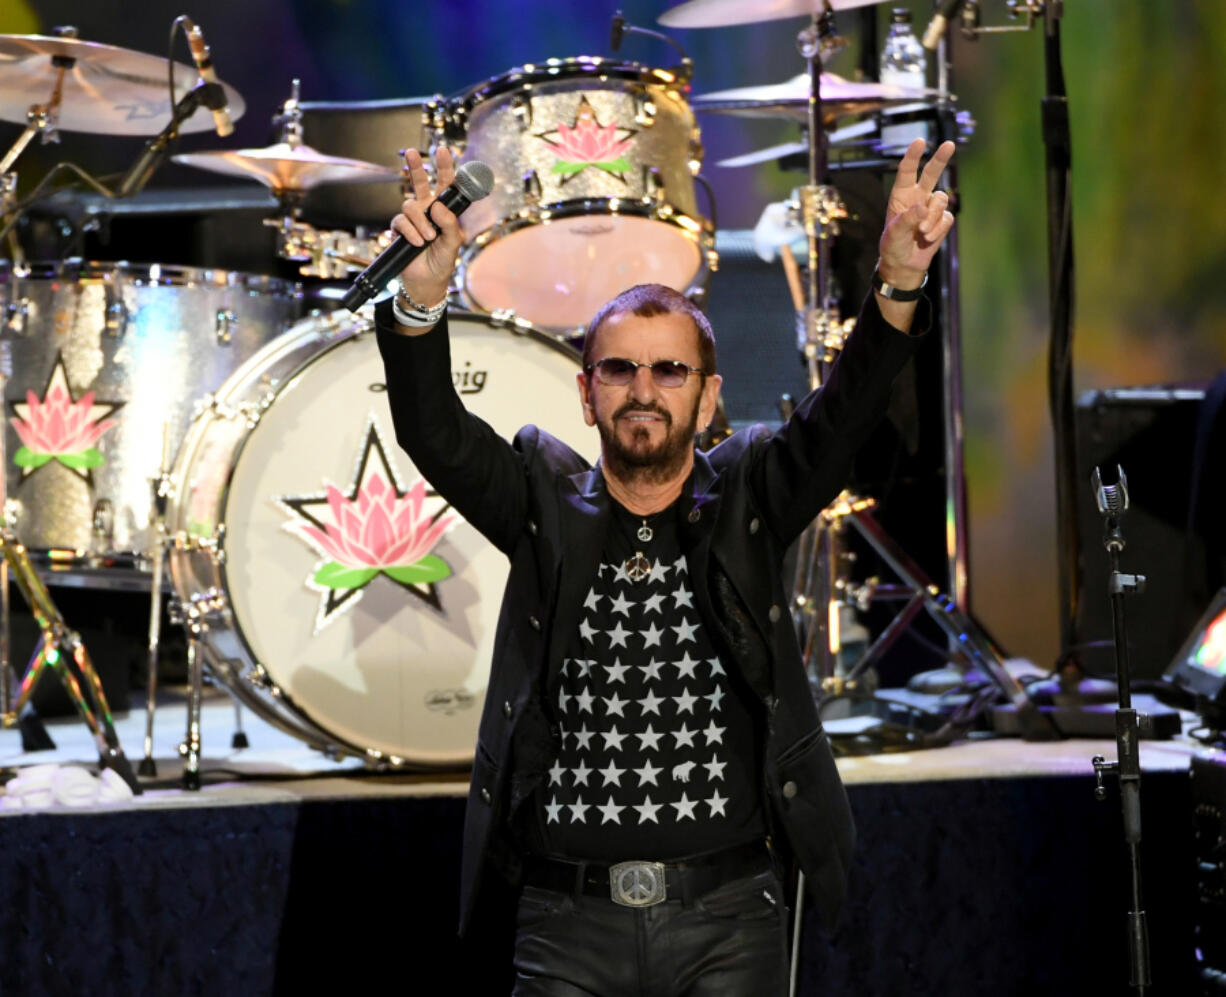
{"x": 277, "y": 767}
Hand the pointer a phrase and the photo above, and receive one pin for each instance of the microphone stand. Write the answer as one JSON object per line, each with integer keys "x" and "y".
{"x": 201, "y": 95}
{"x": 1112, "y": 502}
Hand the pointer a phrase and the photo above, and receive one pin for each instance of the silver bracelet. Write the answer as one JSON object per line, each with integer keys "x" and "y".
{"x": 406, "y": 302}
{"x": 417, "y": 319}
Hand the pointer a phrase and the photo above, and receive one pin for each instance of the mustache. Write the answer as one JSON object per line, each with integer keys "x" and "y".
{"x": 633, "y": 406}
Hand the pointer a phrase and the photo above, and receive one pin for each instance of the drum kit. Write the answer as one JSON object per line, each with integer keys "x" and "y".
{"x": 184, "y": 430}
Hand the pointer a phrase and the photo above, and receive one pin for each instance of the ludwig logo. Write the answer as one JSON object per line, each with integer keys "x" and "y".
{"x": 372, "y": 528}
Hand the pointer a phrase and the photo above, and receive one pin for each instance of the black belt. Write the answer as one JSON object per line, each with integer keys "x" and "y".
{"x": 643, "y": 883}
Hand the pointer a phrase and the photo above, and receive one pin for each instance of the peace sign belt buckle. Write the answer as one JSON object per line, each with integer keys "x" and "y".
{"x": 638, "y": 884}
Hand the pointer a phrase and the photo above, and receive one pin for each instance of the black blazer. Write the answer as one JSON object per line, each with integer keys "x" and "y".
{"x": 546, "y": 509}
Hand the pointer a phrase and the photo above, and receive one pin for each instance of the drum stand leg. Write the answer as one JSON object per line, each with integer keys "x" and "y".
{"x": 61, "y": 649}
{"x": 161, "y": 493}
{"x": 190, "y": 748}
{"x": 239, "y": 740}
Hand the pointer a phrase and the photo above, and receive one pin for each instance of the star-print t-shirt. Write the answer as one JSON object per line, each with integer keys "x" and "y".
{"x": 658, "y": 757}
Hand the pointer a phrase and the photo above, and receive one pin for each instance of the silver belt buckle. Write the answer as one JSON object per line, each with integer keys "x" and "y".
{"x": 638, "y": 884}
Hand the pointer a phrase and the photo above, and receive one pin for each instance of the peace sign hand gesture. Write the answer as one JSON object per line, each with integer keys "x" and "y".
{"x": 428, "y": 276}
{"x": 917, "y": 217}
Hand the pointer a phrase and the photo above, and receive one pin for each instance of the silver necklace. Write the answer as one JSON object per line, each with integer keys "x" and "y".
{"x": 636, "y": 566}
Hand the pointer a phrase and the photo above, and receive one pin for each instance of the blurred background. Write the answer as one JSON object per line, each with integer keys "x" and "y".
{"x": 1146, "y": 84}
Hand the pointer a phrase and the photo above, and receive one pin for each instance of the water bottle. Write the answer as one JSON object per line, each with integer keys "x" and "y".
{"x": 903, "y": 64}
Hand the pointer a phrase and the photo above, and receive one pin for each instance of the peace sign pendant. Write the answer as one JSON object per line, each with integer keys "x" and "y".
{"x": 637, "y": 567}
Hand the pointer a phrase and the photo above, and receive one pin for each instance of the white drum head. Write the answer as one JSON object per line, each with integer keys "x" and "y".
{"x": 558, "y": 273}
{"x": 369, "y": 603}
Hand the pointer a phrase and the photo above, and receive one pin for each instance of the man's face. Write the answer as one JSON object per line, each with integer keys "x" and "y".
{"x": 647, "y": 431}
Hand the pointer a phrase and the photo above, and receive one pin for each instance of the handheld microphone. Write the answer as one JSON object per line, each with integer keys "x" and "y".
{"x": 473, "y": 181}
{"x": 938, "y": 24}
{"x": 214, "y": 93}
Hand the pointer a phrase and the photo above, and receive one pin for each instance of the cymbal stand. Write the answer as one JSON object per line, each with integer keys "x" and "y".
{"x": 43, "y": 119}
{"x": 61, "y": 649}
{"x": 330, "y": 254}
{"x": 161, "y": 487}
{"x": 823, "y": 585}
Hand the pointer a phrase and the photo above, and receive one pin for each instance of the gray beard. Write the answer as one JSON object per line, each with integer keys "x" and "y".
{"x": 649, "y": 467}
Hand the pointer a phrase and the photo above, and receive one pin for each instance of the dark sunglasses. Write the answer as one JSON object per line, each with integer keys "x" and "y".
{"x": 618, "y": 372}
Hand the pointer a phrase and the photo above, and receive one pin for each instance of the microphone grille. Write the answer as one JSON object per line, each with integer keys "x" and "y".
{"x": 475, "y": 180}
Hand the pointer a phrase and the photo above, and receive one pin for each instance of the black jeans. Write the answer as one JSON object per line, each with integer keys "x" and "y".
{"x": 731, "y": 942}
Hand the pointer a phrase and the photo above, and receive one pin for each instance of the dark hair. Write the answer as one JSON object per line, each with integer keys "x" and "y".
{"x": 647, "y": 301}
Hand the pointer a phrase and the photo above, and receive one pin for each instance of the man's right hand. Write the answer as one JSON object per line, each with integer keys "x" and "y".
{"x": 428, "y": 277}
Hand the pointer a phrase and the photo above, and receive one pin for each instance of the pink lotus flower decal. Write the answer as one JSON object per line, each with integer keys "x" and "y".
{"x": 588, "y": 143}
{"x": 377, "y": 532}
{"x": 57, "y": 428}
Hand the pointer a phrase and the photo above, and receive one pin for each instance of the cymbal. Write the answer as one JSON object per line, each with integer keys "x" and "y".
{"x": 721, "y": 13}
{"x": 107, "y": 91}
{"x": 288, "y": 167}
{"x": 836, "y": 139}
{"x": 791, "y": 99}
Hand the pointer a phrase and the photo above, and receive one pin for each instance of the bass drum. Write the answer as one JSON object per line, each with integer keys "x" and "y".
{"x": 333, "y": 590}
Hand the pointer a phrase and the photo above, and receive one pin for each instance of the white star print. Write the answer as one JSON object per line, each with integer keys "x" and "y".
{"x": 618, "y": 635}
{"x": 682, "y": 597}
{"x": 614, "y": 705}
{"x": 617, "y": 671}
{"x": 651, "y": 670}
{"x": 714, "y": 698}
{"x": 657, "y": 572}
{"x": 686, "y": 666}
{"x": 716, "y": 803}
{"x": 563, "y": 696}
{"x": 715, "y": 769}
{"x": 583, "y": 736}
{"x": 685, "y": 632}
{"x": 649, "y": 739}
{"x": 684, "y": 736}
{"x": 685, "y": 807}
{"x": 619, "y": 574}
{"x": 680, "y": 566}
{"x": 714, "y": 733}
{"x": 578, "y": 810}
{"x": 591, "y": 600}
{"x": 685, "y": 702}
{"x": 586, "y": 632}
{"x": 613, "y": 740}
{"x": 652, "y": 636}
{"x": 553, "y": 807}
{"x": 647, "y": 774}
{"x": 652, "y": 603}
{"x": 620, "y": 605}
{"x": 583, "y": 701}
{"x": 610, "y": 812}
{"x": 581, "y": 773}
{"x": 647, "y": 810}
{"x": 555, "y": 774}
{"x": 716, "y": 667}
{"x": 585, "y": 665}
{"x": 612, "y": 775}
{"x": 651, "y": 703}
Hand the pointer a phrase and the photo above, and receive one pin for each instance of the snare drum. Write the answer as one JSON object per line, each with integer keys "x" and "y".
{"x": 595, "y": 163}
{"x": 340, "y": 596}
{"x": 100, "y": 357}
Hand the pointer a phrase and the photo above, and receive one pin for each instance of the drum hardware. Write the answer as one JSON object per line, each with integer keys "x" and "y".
{"x": 160, "y": 487}
{"x": 60, "y": 649}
